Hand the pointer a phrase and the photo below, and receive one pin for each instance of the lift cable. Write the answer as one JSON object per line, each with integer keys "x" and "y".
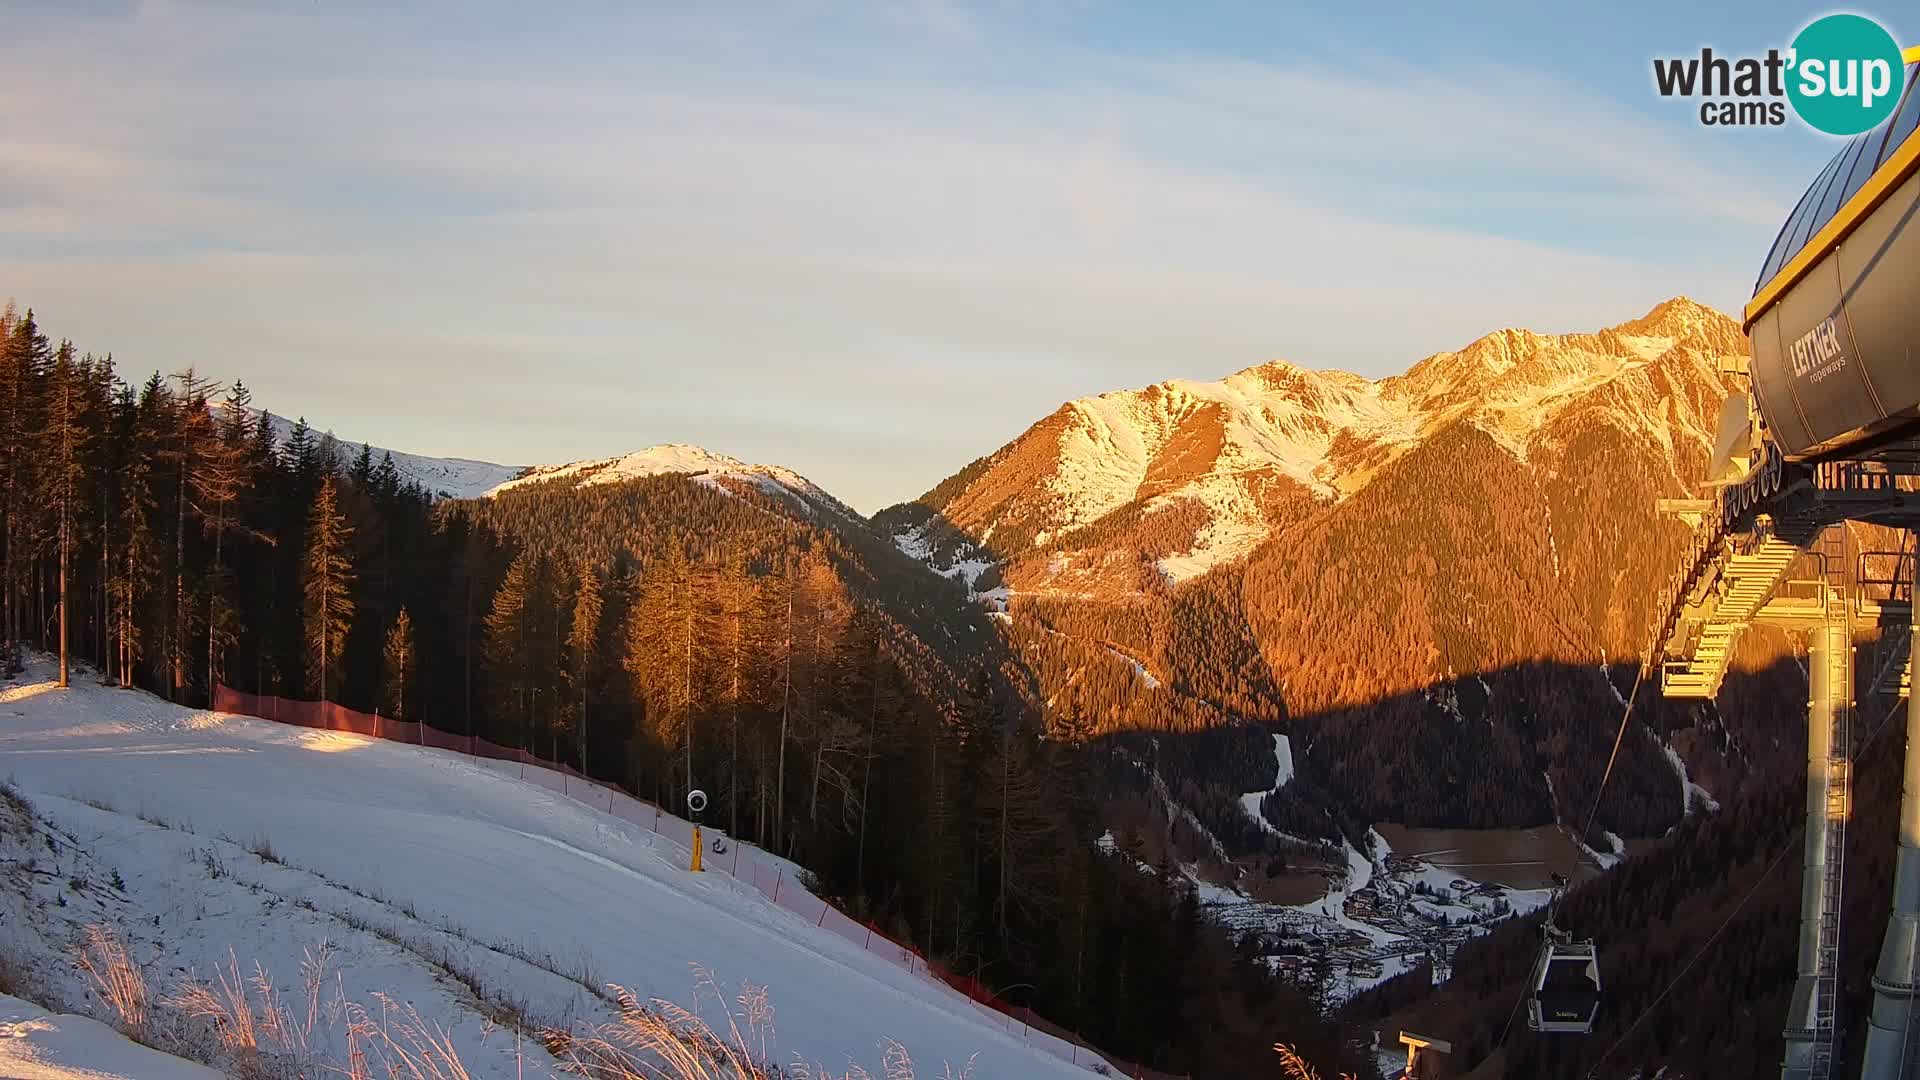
{"x": 1618, "y": 737}
{"x": 1785, "y": 850}
{"x": 1526, "y": 986}
{"x": 1553, "y": 906}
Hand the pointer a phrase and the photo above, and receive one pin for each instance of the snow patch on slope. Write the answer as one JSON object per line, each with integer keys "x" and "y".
{"x": 1283, "y": 774}
{"x": 444, "y": 477}
{"x": 36, "y": 1044}
{"x": 1139, "y": 669}
{"x": 965, "y": 565}
{"x": 1691, "y": 794}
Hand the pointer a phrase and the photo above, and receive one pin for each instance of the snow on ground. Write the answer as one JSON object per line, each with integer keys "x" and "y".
{"x": 1334, "y": 905}
{"x": 1391, "y": 967}
{"x": 678, "y": 459}
{"x": 447, "y": 477}
{"x": 1178, "y": 810}
{"x": 1603, "y": 860}
{"x": 1139, "y": 669}
{"x": 965, "y": 564}
{"x": 1283, "y": 758}
{"x": 39, "y": 1045}
{"x": 417, "y": 865}
{"x": 1691, "y": 794}
{"x": 1392, "y": 1063}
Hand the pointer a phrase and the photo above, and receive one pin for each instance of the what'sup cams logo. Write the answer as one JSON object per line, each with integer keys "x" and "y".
{"x": 1843, "y": 75}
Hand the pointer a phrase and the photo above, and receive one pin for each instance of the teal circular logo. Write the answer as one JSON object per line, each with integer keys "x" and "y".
{"x": 1845, "y": 74}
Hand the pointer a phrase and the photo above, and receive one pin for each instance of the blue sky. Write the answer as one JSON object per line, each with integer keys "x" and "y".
{"x": 868, "y": 241}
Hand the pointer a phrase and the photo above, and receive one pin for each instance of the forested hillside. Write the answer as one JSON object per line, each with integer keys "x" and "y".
{"x": 840, "y": 704}
{"x": 1428, "y": 581}
{"x": 1702, "y": 926}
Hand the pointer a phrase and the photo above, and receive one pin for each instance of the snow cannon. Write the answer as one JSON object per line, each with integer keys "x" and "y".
{"x": 696, "y": 805}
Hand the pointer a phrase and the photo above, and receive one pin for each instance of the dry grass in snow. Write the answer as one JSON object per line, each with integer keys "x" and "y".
{"x": 238, "y": 1021}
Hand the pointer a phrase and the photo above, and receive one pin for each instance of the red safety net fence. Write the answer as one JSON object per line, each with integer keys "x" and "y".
{"x": 749, "y": 866}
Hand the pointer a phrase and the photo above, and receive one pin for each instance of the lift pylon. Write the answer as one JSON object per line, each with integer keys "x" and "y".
{"x": 1822, "y": 609}
{"x": 1891, "y": 1032}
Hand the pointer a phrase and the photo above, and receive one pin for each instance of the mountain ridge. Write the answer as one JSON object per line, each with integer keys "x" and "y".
{"x": 1244, "y": 446}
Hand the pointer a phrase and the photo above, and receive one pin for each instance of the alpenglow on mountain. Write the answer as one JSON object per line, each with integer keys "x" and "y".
{"x": 1198, "y": 474}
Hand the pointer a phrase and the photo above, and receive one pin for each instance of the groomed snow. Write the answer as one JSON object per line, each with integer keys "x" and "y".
{"x": 438, "y": 852}
{"x": 1283, "y": 759}
{"x": 36, "y": 1044}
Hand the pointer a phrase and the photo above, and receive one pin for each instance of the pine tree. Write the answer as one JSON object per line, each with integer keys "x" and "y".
{"x": 265, "y": 602}
{"x": 302, "y": 460}
{"x": 225, "y": 472}
{"x": 68, "y": 435}
{"x": 145, "y": 421}
{"x": 823, "y": 614}
{"x": 191, "y": 442}
{"x": 1019, "y": 829}
{"x": 509, "y": 631}
{"x": 583, "y": 634}
{"x": 386, "y": 479}
{"x": 327, "y": 587}
{"x": 583, "y": 649}
{"x": 659, "y": 657}
{"x": 399, "y": 665}
{"x": 736, "y": 600}
{"x": 24, "y": 356}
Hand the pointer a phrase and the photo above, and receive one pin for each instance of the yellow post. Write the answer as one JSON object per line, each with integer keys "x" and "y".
{"x": 696, "y": 849}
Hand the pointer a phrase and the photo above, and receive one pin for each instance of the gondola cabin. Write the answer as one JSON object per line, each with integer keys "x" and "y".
{"x": 1566, "y": 989}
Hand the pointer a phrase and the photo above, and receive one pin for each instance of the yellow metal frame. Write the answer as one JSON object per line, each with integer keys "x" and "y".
{"x": 1903, "y": 164}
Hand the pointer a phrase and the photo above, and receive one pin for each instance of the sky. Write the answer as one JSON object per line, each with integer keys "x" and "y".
{"x": 869, "y": 241}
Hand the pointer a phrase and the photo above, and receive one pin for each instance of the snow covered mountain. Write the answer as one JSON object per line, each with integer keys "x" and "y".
{"x": 468, "y": 478}
{"x": 446, "y": 477}
{"x": 1347, "y": 556}
{"x": 1198, "y": 474}
{"x": 678, "y": 459}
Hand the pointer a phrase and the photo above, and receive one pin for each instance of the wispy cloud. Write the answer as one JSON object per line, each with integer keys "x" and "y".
{"x": 719, "y": 231}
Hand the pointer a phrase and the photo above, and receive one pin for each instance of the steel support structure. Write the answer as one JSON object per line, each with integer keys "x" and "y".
{"x": 1889, "y": 1053}
{"x": 1811, "y": 1026}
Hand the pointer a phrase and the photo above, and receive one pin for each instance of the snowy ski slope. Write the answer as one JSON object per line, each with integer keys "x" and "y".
{"x": 397, "y": 855}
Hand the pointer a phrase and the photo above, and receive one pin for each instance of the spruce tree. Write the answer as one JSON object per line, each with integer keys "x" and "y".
{"x": 146, "y": 421}
{"x": 508, "y": 645}
{"x": 68, "y": 435}
{"x": 327, "y": 586}
{"x": 24, "y": 356}
{"x": 386, "y": 480}
{"x": 224, "y": 473}
{"x": 190, "y": 451}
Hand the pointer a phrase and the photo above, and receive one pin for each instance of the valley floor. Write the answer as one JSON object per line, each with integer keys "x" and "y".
{"x": 212, "y": 843}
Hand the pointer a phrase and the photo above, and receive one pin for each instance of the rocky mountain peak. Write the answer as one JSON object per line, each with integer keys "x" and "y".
{"x": 1208, "y": 468}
